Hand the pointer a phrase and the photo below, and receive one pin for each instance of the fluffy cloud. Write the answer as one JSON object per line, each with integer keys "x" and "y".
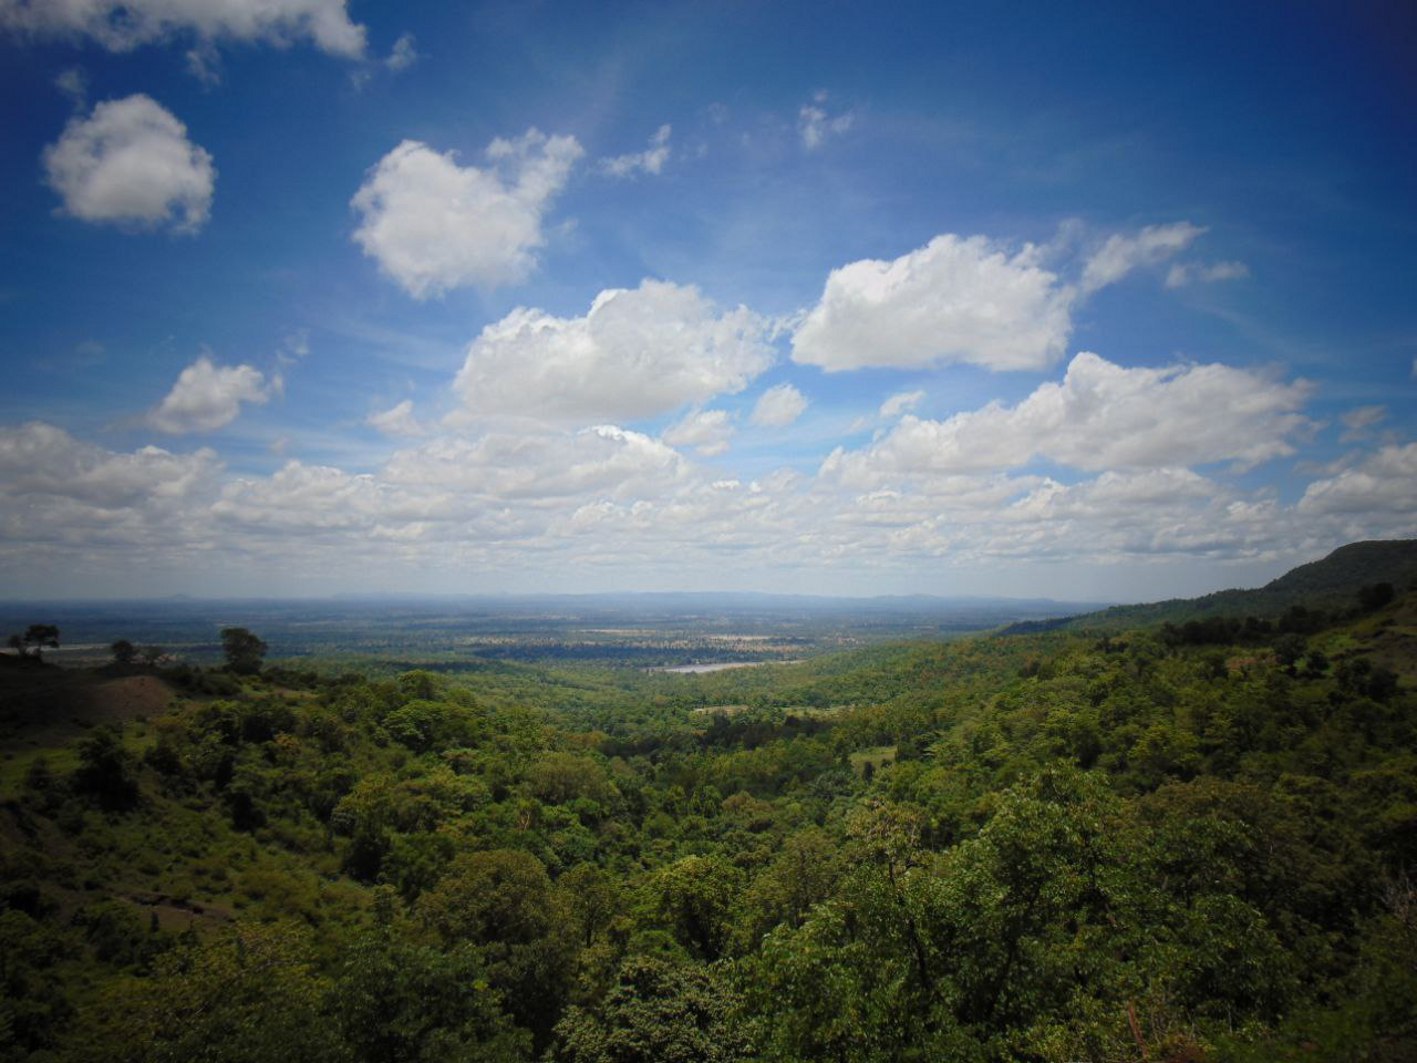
{"x": 120, "y": 25}
{"x": 973, "y": 300}
{"x": 707, "y": 431}
{"x": 1383, "y": 483}
{"x": 538, "y": 499}
{"x": 130, "y": 162}
{"x": 316, "y": 498}
{"x": 38, "y": 459}
{"x": 650, "y": 161}
{"x": 636, "y": 353}
{"x": 515, "y": 498}
{"x": 968, "y": 522}
{"x": 1123, "y": 253}
{"x": 954, "y": 300}
{"x": 71, "y": 510}
{"x": 1148, "y": 513}
{"x": 433, "y": 225}
{"x": 539, "y": 469}
{"x": 778, "y": 407}
{"x": 702, "y": 524}
{"x": 452, "y": 498}
{"x": 1101, "y": 416}
{"x": 208, "y": 396}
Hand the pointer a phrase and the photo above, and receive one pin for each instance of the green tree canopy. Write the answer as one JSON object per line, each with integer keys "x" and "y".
{"x": 244, "y": 651}
{"x": 657, "y": 1012}
{"x": 401, "y": 1002}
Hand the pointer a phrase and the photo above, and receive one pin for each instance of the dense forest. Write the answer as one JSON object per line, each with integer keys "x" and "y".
{"x": 1183, "y": 842}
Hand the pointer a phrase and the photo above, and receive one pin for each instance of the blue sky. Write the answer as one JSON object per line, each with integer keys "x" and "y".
{"x": 303, "y": 297}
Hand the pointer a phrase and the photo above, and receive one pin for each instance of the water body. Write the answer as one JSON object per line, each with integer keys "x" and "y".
{"x": 696, "y": 669}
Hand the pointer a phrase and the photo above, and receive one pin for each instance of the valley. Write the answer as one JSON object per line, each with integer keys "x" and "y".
{"x": 1183, "y": 841}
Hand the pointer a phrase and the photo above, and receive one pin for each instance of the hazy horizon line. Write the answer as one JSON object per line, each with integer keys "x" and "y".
{"x": 541, "y": 595}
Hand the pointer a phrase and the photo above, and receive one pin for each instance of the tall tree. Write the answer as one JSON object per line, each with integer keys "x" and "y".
{"x": 244, "y": 651}
{"x": 35, "y": 639}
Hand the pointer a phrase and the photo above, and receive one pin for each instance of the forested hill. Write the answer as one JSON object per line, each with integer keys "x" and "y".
{"x": 1329, "y": 584}
{"x": 1189, "y": 846}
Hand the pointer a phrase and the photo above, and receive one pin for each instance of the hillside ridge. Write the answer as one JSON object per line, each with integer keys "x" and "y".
{"x": 1331, "y": 583}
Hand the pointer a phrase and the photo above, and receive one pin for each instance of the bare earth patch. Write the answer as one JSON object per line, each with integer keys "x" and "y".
{"x": 43, "y": 706}
{"x": 128, "y": 698}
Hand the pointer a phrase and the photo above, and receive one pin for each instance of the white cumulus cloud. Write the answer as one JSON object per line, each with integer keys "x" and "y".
{"x": 636, "y": 353}
{"x": 208, "y": 396}
{"x": 955, "y": 300}
{"x": 976, "y": 300}
{"x": 120, "y": 25}
{"x": 68, "y": 506}
{"x": 1383, "y": 483}
{"x": 538, "y": 469}
{"x": 650, "y": 161}
{"x": 130, "y": 163}
{"x": 1101, "y": 416}
{"x": 38, "y": 459}
{"x": 778, "y": 407}
{"x": 315, "y": 499}
{"x": 433, "y": 225}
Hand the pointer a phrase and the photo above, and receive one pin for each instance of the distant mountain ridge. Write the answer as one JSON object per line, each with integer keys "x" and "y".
{"x": 1331, "y": 582}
